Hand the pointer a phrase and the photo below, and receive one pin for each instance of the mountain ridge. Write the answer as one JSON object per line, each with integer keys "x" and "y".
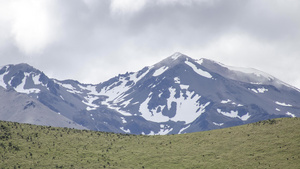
{"x": 176, "y": 95}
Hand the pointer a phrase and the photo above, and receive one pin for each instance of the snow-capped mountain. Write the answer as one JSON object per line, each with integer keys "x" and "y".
{"x": 177, "y": 95}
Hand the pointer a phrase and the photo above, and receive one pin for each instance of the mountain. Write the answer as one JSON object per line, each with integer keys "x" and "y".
{"x": 177, "y": 95}
{"x": 18, "y": 107}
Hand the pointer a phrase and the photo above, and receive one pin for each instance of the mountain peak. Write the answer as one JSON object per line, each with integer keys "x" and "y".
{"x": 20, "y": 67}
{"x": 176, "y": 55}
{"x": 174, "y": 59}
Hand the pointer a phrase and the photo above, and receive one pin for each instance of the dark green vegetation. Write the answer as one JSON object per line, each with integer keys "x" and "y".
{"x": 265, "y": 144}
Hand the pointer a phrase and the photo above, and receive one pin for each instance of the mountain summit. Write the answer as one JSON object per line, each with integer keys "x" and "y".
{"x": 177, "y": 95}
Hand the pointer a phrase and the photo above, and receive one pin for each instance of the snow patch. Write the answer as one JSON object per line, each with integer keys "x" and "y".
{"x": 115, "y": 92}
{"x": 123, "y": 120}
{"x": 184, "y": 86}
{"x": 151, "y": 133}
{"x": 259, "y": 90}
{"x": 160, "y": 71}
{"x": 199, "y": 71}
{"x": 90, "y": 108}
{"x": 159, "y": 95}
{"x": 89, "y": 102}
{"x": 228, "y": 101}
{"x": 177, "y": 80}
{"x": 92, "y": 89}
{"x": 283, "y": 104}
{"x": 181, "y": 130}
{"x": 20, "y": 88}
{"x": 164, "y": 131}
{"x": 200, "y": 61}
{"x": 36, "y": 81}
{"x": 218, "y": 124}
{"x": 61, "y": 97}
{"x": 225, "y": 101}
{"x": 126, "y": 131}
{"x": 125, "y": 103}
{"x": 262, "y": 90}
{"x": 2, "y": 83}
{"x": 254, "y": 90}
{"x": 149, "y": 115}
{"x": 277, "y": 109}
{"x": 188, "y": 108}
{"x": 135, "y": 103}
{"x": 124, "y": 113}
{"x": 290, "y": 114}
{"x": 234, "y": 114}
{"x": 69, "y": 88}
{"x": 176, "y": 55}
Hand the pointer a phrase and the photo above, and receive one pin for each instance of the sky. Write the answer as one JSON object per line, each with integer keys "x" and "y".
{"x": 94, "y": 40}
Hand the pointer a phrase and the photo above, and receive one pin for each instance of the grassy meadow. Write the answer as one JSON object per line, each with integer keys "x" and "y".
{"x": 265, "y": 144}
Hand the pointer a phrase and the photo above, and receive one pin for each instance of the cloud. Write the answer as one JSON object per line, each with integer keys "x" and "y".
{"x": 30, "y": 24}
{"x": 123, "y": 7}
{"x": 91, "y": 40}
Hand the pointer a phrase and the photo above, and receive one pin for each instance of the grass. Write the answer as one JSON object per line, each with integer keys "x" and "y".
{"x": 265, "y": 144}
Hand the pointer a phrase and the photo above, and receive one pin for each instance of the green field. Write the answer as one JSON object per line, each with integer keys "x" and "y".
{"x": 265, "y": 144}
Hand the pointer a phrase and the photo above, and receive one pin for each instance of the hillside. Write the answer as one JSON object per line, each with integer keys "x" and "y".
{"x": 265, "y": 144}
{"x": 19, "y": 107}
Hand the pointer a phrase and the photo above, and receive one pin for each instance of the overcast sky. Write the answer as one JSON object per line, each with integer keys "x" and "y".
{"x": 93, "y": 40}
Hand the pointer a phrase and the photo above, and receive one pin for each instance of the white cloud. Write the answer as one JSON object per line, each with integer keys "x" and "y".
{"x": 91, "y": 40}
{"x": 31, "y": 24}
{"x": 184, "y": 3}
{"x": 124, "y": 7}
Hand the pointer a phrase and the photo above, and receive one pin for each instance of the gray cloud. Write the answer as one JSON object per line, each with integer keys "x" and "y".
{"x": 92, "y": 40}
